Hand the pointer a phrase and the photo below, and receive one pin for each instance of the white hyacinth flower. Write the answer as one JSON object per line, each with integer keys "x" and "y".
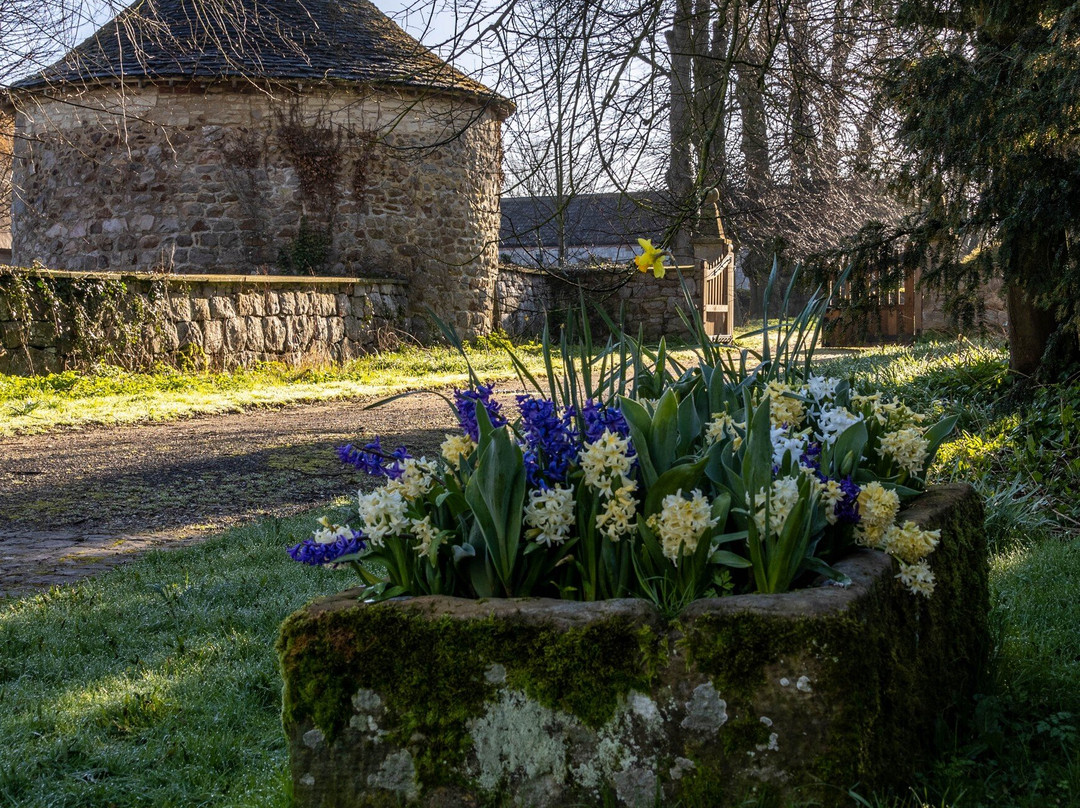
{"x": 550, "y": 515}
{"x": 832, "y": 423}
{"x": 383, "y": 514}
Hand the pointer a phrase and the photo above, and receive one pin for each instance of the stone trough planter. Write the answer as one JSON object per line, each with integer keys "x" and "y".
{"x": 439, "y": 701}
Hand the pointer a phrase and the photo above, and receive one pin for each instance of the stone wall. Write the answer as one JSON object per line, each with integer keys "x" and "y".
{"x": 991, "y": 298}
{"x": 440, "y": 701}
{"x": 218, "y": 179}
{"x": 523, "y": 295}
{"x": 219, "y": 321}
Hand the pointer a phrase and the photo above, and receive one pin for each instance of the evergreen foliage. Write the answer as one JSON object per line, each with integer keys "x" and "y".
{"x": 987, "y": 100}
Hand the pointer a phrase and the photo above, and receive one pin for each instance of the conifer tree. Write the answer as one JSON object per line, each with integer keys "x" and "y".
{"x": 988, "y": 106}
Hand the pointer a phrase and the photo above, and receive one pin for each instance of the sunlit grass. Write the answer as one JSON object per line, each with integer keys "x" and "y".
{"x": 1036, "y": 594}
{"x": 110, "y": 395}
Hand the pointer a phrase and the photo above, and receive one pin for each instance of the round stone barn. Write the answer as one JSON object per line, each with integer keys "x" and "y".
{"x": 303, "y": 137}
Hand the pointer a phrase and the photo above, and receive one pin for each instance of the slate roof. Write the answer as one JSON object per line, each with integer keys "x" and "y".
{"x": 590, "y": 220}
{"x": 307, "y": 40}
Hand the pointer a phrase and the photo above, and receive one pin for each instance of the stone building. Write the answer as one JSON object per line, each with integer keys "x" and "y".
{"x": 544, "y": 231}
{"x": 308, "y": 137}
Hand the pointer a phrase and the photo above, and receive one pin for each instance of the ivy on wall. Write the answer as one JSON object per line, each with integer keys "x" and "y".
{"x": 78, "y": 321}
{"x": 314, "y": 148}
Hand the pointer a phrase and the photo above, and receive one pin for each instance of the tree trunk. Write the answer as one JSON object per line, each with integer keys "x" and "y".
{"x": 1030, "y": 329}
{"x": 801, "y": 137}
{"x": 680, "y": 180}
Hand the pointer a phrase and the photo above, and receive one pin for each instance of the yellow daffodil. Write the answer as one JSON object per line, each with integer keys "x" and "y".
{"x": 652, "y": 259}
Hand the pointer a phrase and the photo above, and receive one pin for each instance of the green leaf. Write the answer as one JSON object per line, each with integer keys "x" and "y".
{"x": 637, "y": 418}
{"x": 726, "y": 538}
{"x": 936, "y": 435}
{"x": 496, "y": 494}
{"x": 815, "y": 564}
{"x": 654, "y": 559}
{"x": 757, "y": 461}
{"x": 721, "y": 506}
{"x": 729, "y": 559}
{"x": 902, "y": 491}
{"x": 848, "y": 449}
{"x": 684, "y": 478}
{"x": 664, "y": 435}
{"x": 690, "y": 424}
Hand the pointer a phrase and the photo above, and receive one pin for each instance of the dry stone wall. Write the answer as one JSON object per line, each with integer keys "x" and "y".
{"x": 220, "y": 321}
{"x": 994, "y": 318}
{"x": 195, "y": 178}
{"x": 523, "y": 295}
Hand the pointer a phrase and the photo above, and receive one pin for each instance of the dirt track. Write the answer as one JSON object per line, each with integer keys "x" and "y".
{"x": 73, "y": 503}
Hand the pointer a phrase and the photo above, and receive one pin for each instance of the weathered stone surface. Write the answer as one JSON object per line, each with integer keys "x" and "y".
{"x": 552, "y": 703}
{"x": 207, "y": 319}
{"x": 523, "y": 297}
{"x": 207, "y": 182}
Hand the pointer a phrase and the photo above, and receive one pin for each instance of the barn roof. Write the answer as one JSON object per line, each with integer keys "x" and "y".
{"x": 588, "y": 220}
{"x": 289, "y": 40}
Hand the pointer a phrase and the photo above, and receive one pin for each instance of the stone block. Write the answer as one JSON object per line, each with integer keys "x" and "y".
{"x": 222, "y": 307}
{"x": 180, "y": 306}
{"x": 189, "y": 334}
{"x": 362, "y": 308}
{"x": 200, "y": 309}
{"x": 167, "y": 338}
{"x": 254, "y": 340}
{"x": 41, "y": 334}
{"x": 304, "y": 302}
{"x": 213, "y": 337}
{"x": 353, "y": 328}
{"x": 341, "y": 306}
{"x": 544, "y": 703}
{"x": 43, "y": 360}
{"x": 250, "y": 303}
{"x": 301, "y": 333}
{"x": 287, "y": 302}
{"x": 334, "y": 329}
{"x": 274, "y": 332}
{"x": 235, "y": 334}
{"x": 11, "y": 335}
{"x": 271, "y": 303}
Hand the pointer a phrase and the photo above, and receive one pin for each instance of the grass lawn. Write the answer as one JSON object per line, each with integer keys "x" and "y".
{"x": 110, "y": 395}
{"x": 156, "y": 684}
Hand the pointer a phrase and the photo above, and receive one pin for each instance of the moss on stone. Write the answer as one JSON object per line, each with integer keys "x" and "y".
{"x": 432, "y": 672}
{"x": 892, "y": 660}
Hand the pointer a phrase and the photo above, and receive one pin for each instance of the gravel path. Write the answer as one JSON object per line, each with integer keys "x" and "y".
{"x": 75, "y": 503}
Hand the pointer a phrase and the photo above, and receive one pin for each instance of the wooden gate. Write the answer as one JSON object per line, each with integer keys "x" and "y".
{"x": 886, "y": 314}
{"x": 718, "y": 298}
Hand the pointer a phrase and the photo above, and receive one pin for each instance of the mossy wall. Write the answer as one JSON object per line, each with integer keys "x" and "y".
{"x": 52, "y": 321}
{"x": 439, "y": 701}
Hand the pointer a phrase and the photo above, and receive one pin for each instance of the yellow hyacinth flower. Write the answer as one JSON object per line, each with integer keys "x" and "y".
{"x": 651, "y": 258}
